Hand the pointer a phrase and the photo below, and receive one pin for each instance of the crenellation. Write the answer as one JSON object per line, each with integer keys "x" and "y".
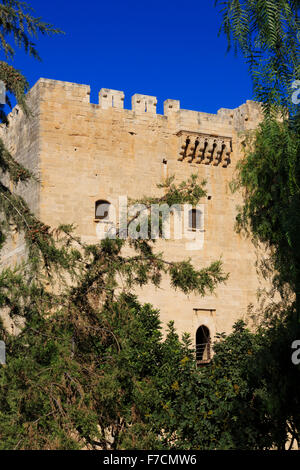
{"x": 245, "y": 116}
{"x": 171, "y": 107}
{"x": 111, "y": 98}
{"x": 144, "y": 104}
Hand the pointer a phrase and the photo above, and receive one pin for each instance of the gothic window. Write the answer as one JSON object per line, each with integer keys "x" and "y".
{"x": 102, "y": 210}
{"x": 203, "y": 345}
{"x": 195, "y": 219}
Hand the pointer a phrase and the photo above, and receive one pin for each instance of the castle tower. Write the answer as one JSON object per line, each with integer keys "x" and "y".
{"x": 84, "y": 153}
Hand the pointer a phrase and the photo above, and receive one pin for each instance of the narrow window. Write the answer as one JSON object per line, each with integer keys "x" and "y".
{"x": 203, "y": 345}
{"x": 195, "y": 219}
{"x": 102, "y": 210}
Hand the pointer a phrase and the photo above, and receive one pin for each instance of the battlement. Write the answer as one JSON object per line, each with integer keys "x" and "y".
{"x": 245, "y": 116}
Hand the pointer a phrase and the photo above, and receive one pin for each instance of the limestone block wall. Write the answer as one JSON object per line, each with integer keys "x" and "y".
{"x": 21, "y": 138}
{"x": 86, "y": 152}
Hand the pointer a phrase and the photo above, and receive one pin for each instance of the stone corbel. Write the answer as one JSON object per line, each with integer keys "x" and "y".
{"x": 226, "y": 154}
{"x": 185, "y": 141}
{"x": 192, "y": 150}
{"x": 218, "y": 152}
{"x": 207, "y": 149}
{"x": 201, "y": 149}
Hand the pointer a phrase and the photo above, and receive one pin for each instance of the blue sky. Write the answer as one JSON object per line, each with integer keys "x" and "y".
{"x": 169, "y": 49}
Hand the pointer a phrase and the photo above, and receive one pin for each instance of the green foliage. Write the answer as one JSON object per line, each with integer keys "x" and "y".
{"x": 269, "y": 177}
{"x": 16, "y": 84}
{"x": 44, "y": 250}
{"x": 90, "y": 366}
{"x": 103, "y": 381}
{"x": 247, "y": 399}
{"x": 184, "y": 276}
{"x": 265, "y": 31}
{"x": 18, "y": 23}
{"x": 112, "y": 381}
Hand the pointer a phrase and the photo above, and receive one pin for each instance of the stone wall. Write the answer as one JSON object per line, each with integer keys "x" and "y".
{"x": 22, "y": 139}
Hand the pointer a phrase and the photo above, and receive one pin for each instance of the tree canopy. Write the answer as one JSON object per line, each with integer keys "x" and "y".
{"x": 267, "y": 34}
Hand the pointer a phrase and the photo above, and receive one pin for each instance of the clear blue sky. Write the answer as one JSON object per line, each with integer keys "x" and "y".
{"x": 169, "y": 49}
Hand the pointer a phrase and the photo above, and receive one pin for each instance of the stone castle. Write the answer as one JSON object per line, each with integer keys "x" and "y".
{"x": 88, "y": 153}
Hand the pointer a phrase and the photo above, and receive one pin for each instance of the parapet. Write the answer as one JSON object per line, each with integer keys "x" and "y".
{"x": 246, "y": 116}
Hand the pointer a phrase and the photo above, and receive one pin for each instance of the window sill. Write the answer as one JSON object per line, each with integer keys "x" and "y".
{"x": 99, "y": 221}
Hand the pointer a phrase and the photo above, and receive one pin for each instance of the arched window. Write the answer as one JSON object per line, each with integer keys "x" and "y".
{"x": 102, "y": 210}
{"x": 202, "y": 345}
{"x": 195, "y": 219}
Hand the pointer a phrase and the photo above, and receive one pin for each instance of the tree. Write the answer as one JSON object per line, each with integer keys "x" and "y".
{"x": 89, "y": 367}
{"x": 267, "y": 34}
{"x": 269, "y": 177}
{"x": 18, "y": 24}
